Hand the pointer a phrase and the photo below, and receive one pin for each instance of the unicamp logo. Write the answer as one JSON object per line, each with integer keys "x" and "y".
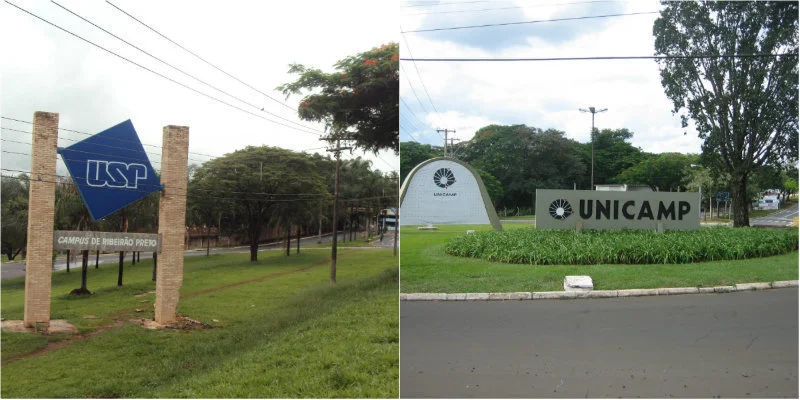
{"x": 560, "y": 209}
{"x": 444, "y": 178}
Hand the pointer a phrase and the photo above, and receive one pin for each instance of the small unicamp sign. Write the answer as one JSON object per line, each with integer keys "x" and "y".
{"x": 110, "y": 169}
{"x": 565, "y": 209}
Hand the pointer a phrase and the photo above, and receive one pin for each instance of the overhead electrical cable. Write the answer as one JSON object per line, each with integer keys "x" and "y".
{"x": 411, "y": 112}
{"x": 182, "y": 71}
{"x": 452, "y": 28}
{"x": 405, "y": 75}
{"x": 405, "y": 40}
{"x": 159, "y": 74}
{"x": 200, "y": 58}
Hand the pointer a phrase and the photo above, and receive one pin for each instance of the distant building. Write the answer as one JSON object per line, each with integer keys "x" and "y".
{"x": 622, "y": 187}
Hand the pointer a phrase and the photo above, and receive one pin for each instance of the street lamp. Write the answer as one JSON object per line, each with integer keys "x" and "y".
{"x": 593, "y": 111}
{"x": 700, "y": 186}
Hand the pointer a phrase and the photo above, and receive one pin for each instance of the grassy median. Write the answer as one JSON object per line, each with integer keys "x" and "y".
{"x": 277, "y": 329}
{"x": 425, "y": 268}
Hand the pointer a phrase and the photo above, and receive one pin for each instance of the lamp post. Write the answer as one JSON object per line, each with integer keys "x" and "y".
{"x": 593, "y": 111}
{"x": 700, "y": 186}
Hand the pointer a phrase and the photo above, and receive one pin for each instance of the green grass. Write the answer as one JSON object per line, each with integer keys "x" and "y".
{"x": 427, "y": 269}
{"x": 553, "y": 247}
{"x": 292, "y": 335}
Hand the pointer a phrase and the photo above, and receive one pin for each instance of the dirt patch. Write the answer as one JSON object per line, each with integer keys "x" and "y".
{"x": 261, "y": 279}
{"x": 80, "y": 292}
{"x": 145, "y": 293}
{"x": 56, "y": 326}
{"x": 60, "y": 344}
{"x": 181, "y": 324}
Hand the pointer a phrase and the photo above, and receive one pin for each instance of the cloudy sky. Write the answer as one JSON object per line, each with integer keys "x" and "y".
{"x": 466, "y": 96}
{"x": 46, "y": 69}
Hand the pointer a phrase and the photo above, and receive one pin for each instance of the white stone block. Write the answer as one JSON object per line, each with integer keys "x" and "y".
{"x": 582, "y": 283}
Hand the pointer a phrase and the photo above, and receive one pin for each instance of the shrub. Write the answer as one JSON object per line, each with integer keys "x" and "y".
{"x": 548, "y": 247}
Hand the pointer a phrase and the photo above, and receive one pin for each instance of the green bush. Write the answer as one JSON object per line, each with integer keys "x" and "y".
{"x": 549, "y": 247}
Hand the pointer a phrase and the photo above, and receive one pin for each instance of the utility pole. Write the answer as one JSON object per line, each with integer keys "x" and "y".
{"x": 337, "y": 151}
{"x": 593, "y": 111}
{"x": 446, "y": 131}
{"x": 452, "y": 145}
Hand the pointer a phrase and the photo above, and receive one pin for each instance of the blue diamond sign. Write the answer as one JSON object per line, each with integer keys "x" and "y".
{"x": 110, "y": 169}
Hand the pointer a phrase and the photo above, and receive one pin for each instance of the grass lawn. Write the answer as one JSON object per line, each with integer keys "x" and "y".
{"x": 425, "y": 268}
{"x": 278, "y": 330}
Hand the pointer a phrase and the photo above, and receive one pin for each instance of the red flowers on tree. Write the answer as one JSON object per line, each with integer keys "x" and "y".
{"x": 370, "y": 63}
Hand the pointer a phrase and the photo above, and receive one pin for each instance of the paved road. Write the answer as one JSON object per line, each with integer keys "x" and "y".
{"x": 741, "y": 344}
{"x": 781, "y": 218}
{"x": 10, "y": 270}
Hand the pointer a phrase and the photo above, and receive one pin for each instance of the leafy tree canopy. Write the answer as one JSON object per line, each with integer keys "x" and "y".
{"x": 745, "y": 108}
{"x": 359, "y": 100}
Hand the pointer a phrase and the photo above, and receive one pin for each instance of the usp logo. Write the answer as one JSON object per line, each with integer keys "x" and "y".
{"x": 110, "y": 169}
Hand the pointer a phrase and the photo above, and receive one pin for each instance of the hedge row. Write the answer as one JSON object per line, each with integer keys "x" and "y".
{"x": 549, "y": 247}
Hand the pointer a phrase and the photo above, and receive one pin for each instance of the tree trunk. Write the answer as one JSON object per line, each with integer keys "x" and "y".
{"x": 123, "y": 228}
{"x": 288, "y": 239}
{"x": 84, "y": 270}
{"x": 97, "y": 260}
{"x": 155, "y": 265}
{"x": 121, "y": 261}
{"x": 68, "y": 254}
{"x": 298, "y": 239}
{"x": 11, "y": 257}
{"x": 254, "y": 249}
{"x": 138, "y": 256}
{"x": 133, "y": 258}
{"x": 739, "y": 188}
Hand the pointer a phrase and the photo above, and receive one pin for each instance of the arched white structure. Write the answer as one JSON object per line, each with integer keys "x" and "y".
{"x": 445, "y": 191}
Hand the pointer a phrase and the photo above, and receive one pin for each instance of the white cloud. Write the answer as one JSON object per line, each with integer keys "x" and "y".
{"x": 549, "y": 94}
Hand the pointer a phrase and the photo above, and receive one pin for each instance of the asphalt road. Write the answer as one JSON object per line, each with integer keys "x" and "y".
{"x": 16, "y": 269}
{"x": 741, "y": 344}
{"x": 781, "y": 218}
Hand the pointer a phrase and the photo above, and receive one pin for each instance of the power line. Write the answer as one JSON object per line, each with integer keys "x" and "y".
{"x": 237, "y": 198}
{"x": 90, "y": 134}
{"x": 201, "y": 58}
{"x": 421, "y": 122}
{"x": 529, "y": 22}
{"x": 405, "y": 40}
{"x": 159, "y": 74}
{"x": 405, "y": 75}
{"x": 180, "y": 70}
{"x": 599, "y": 58}
{"x": 511, "y": 8}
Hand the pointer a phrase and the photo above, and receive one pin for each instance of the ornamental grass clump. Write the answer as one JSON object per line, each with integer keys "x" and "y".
{"x": 551, "y": 247}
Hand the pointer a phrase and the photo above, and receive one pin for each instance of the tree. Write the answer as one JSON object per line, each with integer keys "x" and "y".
{"x": 361, "y": 98}
{"x": 413, "y": 153}
{"x": 250, "y": 184}
{"x": 612, "y": 154}
{"x": 523, "y": 159}
{"x": 745, "y": 108}
{"x": 14, "y": 235}
{"x": 663, "y": 172}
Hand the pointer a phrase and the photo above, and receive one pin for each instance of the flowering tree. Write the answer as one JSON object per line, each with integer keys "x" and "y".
{"x": 359, "y": 99}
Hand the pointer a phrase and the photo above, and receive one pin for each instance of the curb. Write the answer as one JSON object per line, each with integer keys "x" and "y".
{"x": 739, "y": 287}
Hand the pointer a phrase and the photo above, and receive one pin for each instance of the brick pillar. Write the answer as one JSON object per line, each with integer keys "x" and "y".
{"x": 41, "y": 216}
{"x": 171, "y": 221}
